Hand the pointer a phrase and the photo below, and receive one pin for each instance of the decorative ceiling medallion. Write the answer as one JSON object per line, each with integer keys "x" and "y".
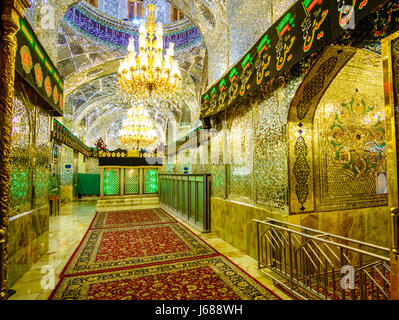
{"x": 47, "y": 86}
{"x": 38, "y": 75}
{"x": 26, "y": 59}
{"x": 358, "y": 151}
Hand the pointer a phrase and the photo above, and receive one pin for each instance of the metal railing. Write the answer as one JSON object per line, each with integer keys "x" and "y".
{"x": 312, "y": 264}
{"x": 188, "y": 196}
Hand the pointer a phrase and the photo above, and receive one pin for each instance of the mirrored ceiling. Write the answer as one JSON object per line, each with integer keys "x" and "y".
{"x": 91, "y": 43}
{"x": 134, "y": 10}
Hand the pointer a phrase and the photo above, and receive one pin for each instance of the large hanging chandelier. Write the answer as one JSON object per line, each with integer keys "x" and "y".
{"x": 137, "y": 130}
{"x": 149, "y": 73}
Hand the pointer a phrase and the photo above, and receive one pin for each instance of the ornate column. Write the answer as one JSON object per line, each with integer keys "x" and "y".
{"x": 122, "y": 182}
{"x": 141, "y": 181}
{"x": 390, "y": 56}
{"x": 10, "y": 11}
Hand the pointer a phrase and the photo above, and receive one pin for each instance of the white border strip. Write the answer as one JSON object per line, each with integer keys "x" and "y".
{"x": 25, "y": 213}
{"x": 20, "y": 215}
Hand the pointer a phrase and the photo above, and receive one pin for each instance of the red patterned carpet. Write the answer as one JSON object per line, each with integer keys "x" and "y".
{"x": 130, "y": 218}
{"x": 150, "y": 258}
{"x": 116, "y": 248}
{"x": 214, "y": 278}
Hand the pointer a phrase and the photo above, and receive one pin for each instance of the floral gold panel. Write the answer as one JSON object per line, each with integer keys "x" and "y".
{"x": 349, "y": 138}
{"x": 390, "y": 54}
{"x": 300, "y": 126}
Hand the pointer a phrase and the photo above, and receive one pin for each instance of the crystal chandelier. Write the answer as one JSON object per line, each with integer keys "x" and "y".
{"x": 137, "y": 129}
{"x": 149, "y": 73}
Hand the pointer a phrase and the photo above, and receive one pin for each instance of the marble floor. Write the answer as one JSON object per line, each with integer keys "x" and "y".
{"x": 68, "y": 229}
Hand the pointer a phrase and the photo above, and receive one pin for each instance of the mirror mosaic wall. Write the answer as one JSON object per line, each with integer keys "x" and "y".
{"x": 30, "y": 154}
{"x": 351, "y": 148}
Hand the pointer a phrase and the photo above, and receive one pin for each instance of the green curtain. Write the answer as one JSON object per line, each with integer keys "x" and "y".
{"x": 89, "y": 184}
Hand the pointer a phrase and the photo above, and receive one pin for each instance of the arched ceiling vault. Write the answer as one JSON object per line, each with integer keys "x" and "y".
{"x": 90, "y": 71}
{"x": 227, "y": 29}
{"x": 109, "y": 125}
{"x": 88, "y": 98}
{"x": 108, "y": 105}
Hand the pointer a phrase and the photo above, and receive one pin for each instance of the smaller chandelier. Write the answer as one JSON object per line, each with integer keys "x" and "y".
{"x": 149, "y": 73}
{"x": 137, "y": 129}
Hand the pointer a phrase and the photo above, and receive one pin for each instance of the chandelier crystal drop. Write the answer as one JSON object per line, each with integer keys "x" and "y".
{"x": 148, "y": 73}
{"x": 137, "y": 130}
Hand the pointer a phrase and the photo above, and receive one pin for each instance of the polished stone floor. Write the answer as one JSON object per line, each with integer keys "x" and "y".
{"x": 68, "y": 229}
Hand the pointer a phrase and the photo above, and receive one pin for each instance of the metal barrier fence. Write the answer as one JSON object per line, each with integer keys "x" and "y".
{"x": 316, "y": 265}
{"x": 188, "y": 196}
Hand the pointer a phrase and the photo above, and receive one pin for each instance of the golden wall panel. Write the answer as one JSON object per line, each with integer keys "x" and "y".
{"x": 349, "y": 138}
{"x": 28, "y": 241}
{"x": 390, "y": 54}
{"x": 233, "y": 222}
{"x": 300, "y": 126}
{"x": 268, "y": 154}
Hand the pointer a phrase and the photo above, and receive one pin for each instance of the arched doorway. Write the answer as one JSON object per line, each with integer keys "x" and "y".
{"x": 337, "y": 147}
